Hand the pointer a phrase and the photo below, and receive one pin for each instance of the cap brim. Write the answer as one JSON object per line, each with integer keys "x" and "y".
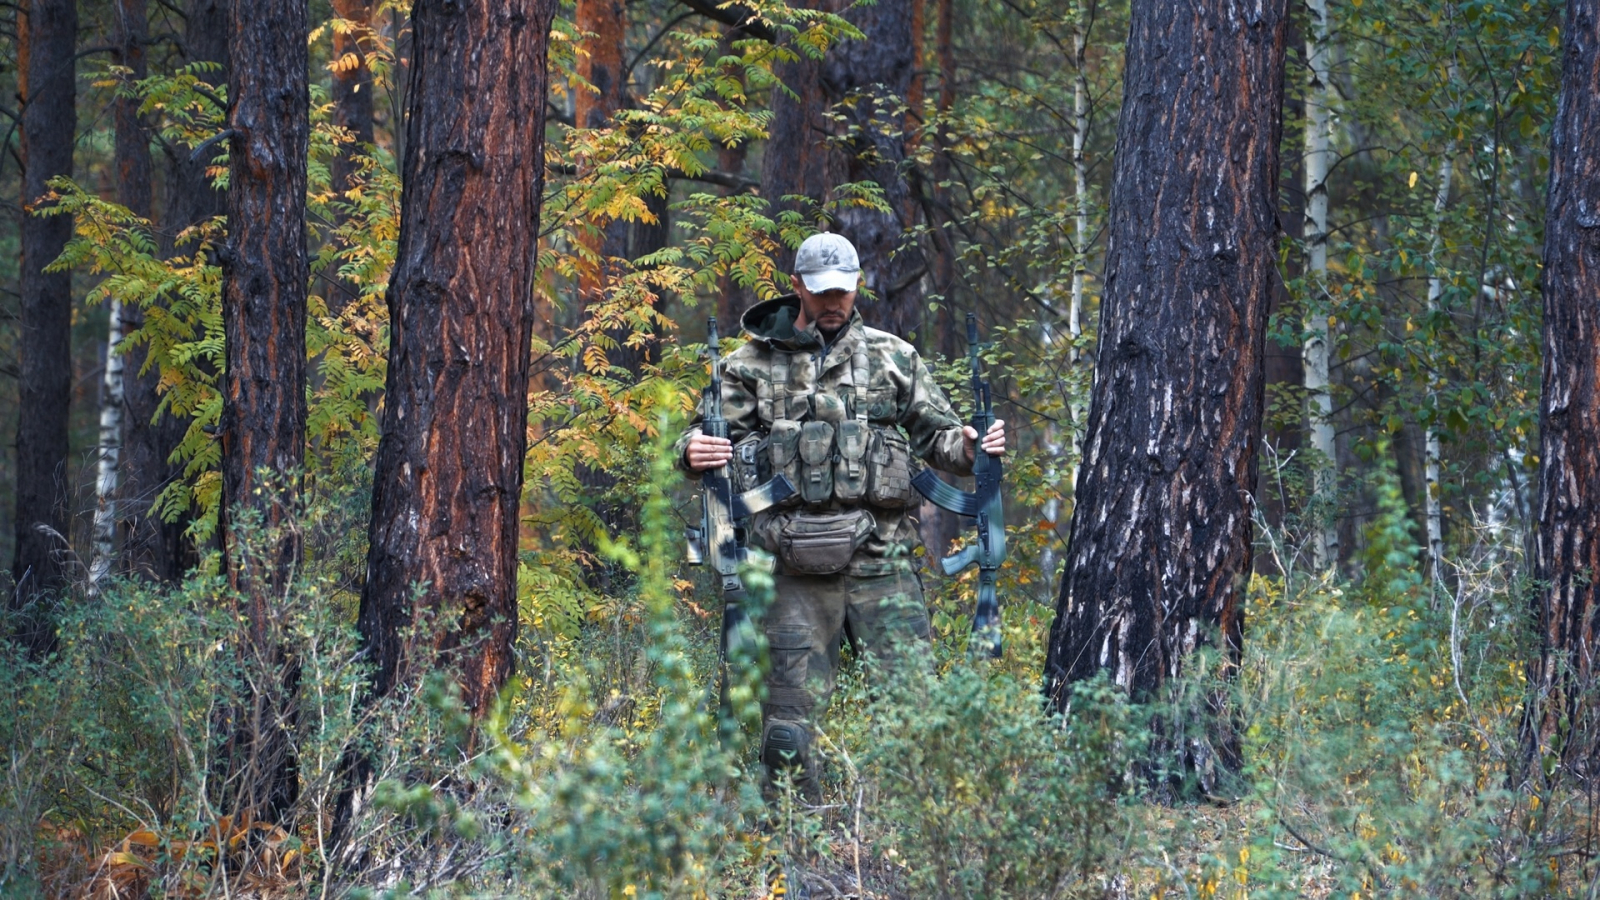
{"x": 830, "y": 280}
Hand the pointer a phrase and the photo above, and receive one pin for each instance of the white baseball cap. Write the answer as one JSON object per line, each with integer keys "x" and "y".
{"x": 827, "y": 262}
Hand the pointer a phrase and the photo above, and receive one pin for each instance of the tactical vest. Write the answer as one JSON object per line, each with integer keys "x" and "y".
{"x": 850, "y": 464}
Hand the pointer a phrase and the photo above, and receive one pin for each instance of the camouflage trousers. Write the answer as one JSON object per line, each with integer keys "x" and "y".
{"x": 810, "y": 617}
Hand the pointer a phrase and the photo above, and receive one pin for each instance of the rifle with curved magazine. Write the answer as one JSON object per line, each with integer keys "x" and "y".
{"x": 720, "y": 540}
{"x": 983, "y": 504}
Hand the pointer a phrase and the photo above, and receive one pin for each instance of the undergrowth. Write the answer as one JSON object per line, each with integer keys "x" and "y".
{"x": 1379, "y": 719}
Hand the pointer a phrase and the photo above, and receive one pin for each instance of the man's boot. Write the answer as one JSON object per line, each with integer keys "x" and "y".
{"x": 786, "y": 745}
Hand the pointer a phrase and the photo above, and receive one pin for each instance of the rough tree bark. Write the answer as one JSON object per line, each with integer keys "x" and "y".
{"x": 1160, "y": 535}
{"x": 449, "y": 468}
{"x": 265, "y": 274}
{"x": 940, "y": 526}
{"x": 152, "y": 546}
{"x": 795, "y": 162}
{"x": 604, "y": 68}
{"x": 1284, "y": 365}
{"x": 865, "y": 81}
{"x": 48, "y": 88}
{"x": 352, "y": 85}
{"x": 130, "y": 29}
{"x": 1563, "y": 715}
{"x": 732, "y": 298}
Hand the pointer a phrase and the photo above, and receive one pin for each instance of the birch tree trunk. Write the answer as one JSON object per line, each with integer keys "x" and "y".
{"x": 1562, "y": 711}
{"x": 131, "y": 150}
{"x": 1080, "y": 270}
{"x": 1160, "y": 550}
{"x": 449, "y": 469}
{"x": 109, "y": 453}
{"x": 1433, "y": 496}
{"x": 151, "y": 545}
{"x": 1080, "y": 168}
{"x": 1319, "y": 160}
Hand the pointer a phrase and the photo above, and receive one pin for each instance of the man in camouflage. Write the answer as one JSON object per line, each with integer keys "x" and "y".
{"x": 838, "y": 408}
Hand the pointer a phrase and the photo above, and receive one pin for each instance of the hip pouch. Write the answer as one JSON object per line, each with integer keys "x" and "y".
{"x": 816, "y": 462}
{"x": 889, "y": 470}
{"x": 820, "y": 543}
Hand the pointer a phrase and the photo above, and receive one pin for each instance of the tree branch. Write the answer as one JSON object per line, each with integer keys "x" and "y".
{"x": 741, "y": 18}
{"x": 738, "y": 183}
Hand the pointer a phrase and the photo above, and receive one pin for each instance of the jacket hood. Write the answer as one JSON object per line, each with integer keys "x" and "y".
{"x": 772, "y": 321}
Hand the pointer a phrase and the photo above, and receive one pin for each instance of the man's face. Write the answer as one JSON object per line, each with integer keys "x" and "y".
{"x": 829, "y": 309}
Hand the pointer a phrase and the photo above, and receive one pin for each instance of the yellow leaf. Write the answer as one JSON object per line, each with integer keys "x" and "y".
{"x": 1413, "y": 181}
{"x": 346, "y": 63}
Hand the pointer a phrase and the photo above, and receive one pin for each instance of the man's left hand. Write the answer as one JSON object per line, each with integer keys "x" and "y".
{"x": 994, "y": 442}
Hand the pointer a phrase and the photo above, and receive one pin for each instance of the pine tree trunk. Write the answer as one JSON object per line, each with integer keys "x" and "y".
{"x": 603, "y": 67}
{"x": 796, "y": 161}
{"x": 1160, "y": 537}
{"x": 1285, "y": 368}
{"x": 1562, "y": 714}
{"x": 868, "y": 144}
{"x": 866, "y": 81}
{"x": 352, "y": 87}
{"x": 151, "y": 545}
{"x": 732, "y": 298}
{"x": 940, "y": 527}
{"x": 131, "y": 152}
{"x": 47, "y": 50}
{"x": 449, "y": 468}
{"x": 265, "y": 272}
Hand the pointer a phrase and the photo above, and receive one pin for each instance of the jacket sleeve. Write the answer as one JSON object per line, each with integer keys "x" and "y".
{"x": 739, "y": 380}
{"x": 932, "y": 424}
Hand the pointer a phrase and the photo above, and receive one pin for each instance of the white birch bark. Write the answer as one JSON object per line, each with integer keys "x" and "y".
{"x": 1318, "y": 162}
{"x": 110, "y": 450}
{"x": 1080, "y": 269}
{"x": 1080, "y": 175}
{"x": 1434, "y": 504}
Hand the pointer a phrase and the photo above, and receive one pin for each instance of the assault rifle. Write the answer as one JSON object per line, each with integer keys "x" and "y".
{"x": 984, "y": 504}
{"x": 720, "y": 540}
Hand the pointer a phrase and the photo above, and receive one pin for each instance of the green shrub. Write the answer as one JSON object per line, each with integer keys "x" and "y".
{"x": 982, "y": 794}
{"x": 650, "y": 806}
{"x": 1382, "y": 719}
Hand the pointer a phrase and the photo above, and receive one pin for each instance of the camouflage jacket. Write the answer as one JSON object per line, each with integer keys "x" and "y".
{"x": 901, "y": 395}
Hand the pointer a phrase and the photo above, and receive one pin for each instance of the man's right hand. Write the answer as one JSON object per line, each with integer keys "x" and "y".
{"x": 706, "y": 452}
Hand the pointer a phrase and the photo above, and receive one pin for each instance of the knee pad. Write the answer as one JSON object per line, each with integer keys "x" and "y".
{"x": 785, "y": 745}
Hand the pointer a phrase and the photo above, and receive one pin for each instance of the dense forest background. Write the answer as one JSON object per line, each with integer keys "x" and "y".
{"x": 262, "y": 696}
